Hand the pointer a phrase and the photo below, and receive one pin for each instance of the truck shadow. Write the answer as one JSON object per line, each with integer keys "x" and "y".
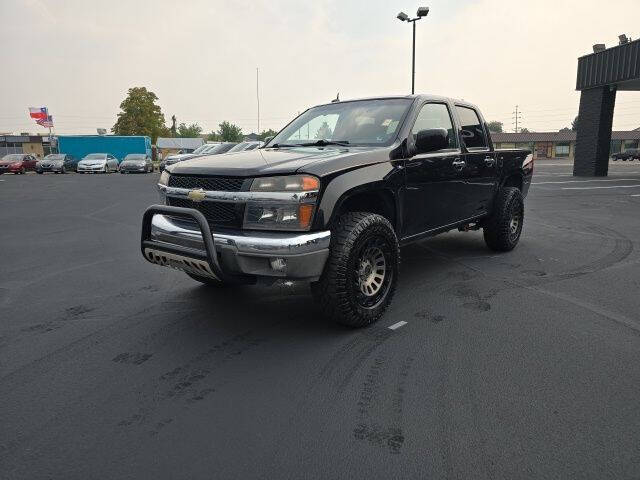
{"x": 290, "y": 305}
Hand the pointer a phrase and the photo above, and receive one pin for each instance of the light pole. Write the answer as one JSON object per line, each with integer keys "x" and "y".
{"x": 403, "y": 17}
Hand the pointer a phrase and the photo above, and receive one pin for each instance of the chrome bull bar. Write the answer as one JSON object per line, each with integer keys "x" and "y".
{"x": 204, "y": 263}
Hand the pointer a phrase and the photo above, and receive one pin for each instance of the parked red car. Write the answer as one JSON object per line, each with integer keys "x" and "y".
{"x": 17, "y": 163}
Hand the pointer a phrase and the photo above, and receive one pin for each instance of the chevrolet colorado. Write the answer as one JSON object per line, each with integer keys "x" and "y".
{"x": 333, "y": 196}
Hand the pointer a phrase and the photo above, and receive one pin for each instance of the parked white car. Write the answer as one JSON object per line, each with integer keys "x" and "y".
{"x": 98, "y": 163}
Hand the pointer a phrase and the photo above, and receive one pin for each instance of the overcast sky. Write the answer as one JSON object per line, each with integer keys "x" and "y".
{"x": 79, "y": 57}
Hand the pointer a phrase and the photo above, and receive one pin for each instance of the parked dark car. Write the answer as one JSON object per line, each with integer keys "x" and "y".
{"x": 629, "y": 154}
{"x": 57, "y": 163}
{"x": 333, "y": 197}
{"x": 18, "y": 163}
{"x": 136, "y": 163}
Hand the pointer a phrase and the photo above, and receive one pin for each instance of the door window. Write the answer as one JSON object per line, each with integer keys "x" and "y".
{"x": 435, "y": 115}
{"x": 472, "y": 130}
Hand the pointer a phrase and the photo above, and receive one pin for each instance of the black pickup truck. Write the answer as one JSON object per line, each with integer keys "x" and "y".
{"x": 333, "y": 197}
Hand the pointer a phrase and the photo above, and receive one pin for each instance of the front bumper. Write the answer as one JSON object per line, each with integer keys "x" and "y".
{"x": 49, "y": 168}
{"x": 92, "y": 168}
{"x": 181, "y": 238}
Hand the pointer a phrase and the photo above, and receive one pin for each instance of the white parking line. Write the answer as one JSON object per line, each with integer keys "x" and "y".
{"x": 395, "y": 326}
{"x": 595, "y": 188}
{"x": 636, "y": 195}
{"x": 584, "y": 181}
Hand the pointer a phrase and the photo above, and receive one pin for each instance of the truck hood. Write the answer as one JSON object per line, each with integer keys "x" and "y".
{"x": 265, "y": 161}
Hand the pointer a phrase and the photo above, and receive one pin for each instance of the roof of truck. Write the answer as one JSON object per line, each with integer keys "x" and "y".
{"x": 423, "y": 96}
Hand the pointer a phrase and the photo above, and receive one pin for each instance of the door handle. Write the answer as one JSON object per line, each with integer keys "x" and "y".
{"x": 489, "y": 161}
{"x": 458, "y": 164}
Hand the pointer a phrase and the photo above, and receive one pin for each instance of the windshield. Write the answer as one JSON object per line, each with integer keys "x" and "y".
{"x": 54, "y": 156}
{"x": 14, "y": 157}
{"x": 95, "y": 156}
{"x": 365, "y": 122}
{"x": 201, "y": 148}
{"x": 135, "y": 156}
{"x": 238, "y": 147}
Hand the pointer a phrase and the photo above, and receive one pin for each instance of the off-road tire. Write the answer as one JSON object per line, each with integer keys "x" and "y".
{"x": 337, "y": 293}
{"x": 508, "y": 207}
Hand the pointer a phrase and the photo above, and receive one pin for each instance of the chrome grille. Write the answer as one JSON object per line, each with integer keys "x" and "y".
{"x": 224, "y": 184}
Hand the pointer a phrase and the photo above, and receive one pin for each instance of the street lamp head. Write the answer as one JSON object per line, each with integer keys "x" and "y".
{"x": 423, "y": 11}
{"x": 403, "y": 17}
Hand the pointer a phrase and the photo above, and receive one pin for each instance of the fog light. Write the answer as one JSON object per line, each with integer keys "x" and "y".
{"x": 278, "y": 264}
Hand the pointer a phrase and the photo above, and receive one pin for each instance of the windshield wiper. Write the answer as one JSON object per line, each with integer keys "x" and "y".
{"x": 318, "y": 143}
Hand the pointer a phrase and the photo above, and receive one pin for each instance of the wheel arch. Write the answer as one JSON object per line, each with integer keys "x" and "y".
{"x": 370, "y": 189}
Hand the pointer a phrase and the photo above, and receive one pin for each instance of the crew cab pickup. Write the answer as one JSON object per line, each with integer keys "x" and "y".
{"x": 333, "y": 196}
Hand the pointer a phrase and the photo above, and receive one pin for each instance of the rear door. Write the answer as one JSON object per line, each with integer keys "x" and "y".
{"x": 433, "y": 180}
{"x": 479, "y": 170}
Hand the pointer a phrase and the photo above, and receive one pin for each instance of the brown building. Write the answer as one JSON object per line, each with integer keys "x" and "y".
{"x": 547, "y": 145}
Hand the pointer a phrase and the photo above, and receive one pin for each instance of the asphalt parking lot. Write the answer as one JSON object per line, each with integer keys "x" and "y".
{"x": 517, "y": 365}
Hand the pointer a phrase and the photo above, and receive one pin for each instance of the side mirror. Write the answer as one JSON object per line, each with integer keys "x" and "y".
{"x": 267, "y": 140}
{"x": 431, "y": 140}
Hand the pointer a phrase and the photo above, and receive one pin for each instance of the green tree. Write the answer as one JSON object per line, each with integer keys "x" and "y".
{"x": 140, "y": 115}
{"x": 213, "y": 137}
{"x": 574, "y": 124}
{"x": 267, "y": 133}
{"x": 228, "y": 132}
{"x": 495, "y": 126}
{"x": 525, "y": 130}
{"x": 189, "y": 131}
{"x": 324, "y": 131}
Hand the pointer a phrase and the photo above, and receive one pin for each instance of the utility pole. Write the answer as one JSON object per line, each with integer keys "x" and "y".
{"x": 517, "y": 116}
{"x": 258, "y": 100}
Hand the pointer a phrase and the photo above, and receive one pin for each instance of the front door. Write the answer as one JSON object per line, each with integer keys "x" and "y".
{"x": 480, "y": 170}
{"x": 433, "y": 180}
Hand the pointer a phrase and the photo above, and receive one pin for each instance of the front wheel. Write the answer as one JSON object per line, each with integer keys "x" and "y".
{"x": 503, "y": 228}
{"x": 360, "y": 277}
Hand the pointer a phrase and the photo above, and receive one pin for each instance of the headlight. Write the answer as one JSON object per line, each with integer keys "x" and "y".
{"x": 290, "y": 208}
{"x": 293, "y": 183}
{"x": 164, "y": 178}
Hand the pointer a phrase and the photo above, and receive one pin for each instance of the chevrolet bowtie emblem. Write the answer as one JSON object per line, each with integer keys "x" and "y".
{"x": 196, "y": 195}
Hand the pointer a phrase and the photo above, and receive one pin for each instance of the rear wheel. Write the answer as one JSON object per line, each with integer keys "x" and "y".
{"x": 503, "y": 228}
{"x": 360, "y": 276}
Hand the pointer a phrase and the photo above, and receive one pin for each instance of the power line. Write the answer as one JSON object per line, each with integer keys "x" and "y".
{"x": 517, "y": 117}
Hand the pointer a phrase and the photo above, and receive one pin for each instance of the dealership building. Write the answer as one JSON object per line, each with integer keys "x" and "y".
{"x": 37, "y": 145}
{"x": 546, "y": 145}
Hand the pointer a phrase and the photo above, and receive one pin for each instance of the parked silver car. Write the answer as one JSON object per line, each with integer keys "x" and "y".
{"x": 136, "y": 163}
{"x": 179, "y": 157}
{"x": 98, "y": 163}
{"x": 248, "y": 145}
